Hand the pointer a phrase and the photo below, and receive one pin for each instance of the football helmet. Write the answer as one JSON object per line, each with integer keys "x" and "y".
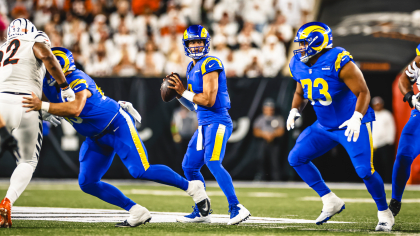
{"x": 65, "y": 58}
{"x": 20, "y": 26}
{"x": 316, "y": 36}
{"x": 196, "y": 32}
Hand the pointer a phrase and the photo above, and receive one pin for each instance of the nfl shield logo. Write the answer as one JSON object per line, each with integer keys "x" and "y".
{"x": 310, "y": 71}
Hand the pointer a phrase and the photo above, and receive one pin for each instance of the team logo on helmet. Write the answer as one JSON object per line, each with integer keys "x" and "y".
{"x": 316, "y": 36}
{"x": 65, "y": 58}
{"x": 196, "y": 32}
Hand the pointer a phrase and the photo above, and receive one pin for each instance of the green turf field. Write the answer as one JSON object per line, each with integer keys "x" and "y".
{"x": 262, "y": 202}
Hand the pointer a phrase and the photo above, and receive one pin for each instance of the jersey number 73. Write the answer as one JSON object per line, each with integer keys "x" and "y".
{"x": 322, "y": 85}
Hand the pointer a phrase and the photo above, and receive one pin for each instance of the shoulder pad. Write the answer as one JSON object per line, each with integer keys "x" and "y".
{"x": 41, "y": 37}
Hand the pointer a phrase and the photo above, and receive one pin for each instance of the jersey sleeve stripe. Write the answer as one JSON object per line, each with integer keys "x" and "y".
{"x": 203, "y": 66}
{"x": 340, "y": 57}
{"x": 77, "y": 82}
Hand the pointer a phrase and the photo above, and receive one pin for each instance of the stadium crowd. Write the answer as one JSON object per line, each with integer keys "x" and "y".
{"x": 127, "y": 38}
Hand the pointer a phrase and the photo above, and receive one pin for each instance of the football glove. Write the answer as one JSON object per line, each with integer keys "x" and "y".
{"x": 128, "y": 107}
{"x": 412, "y": 99}
{"x": 353, "y": 126}
{"x": 413, "y": 72}
{"x": 54, "y": 120}
{"x": 8, "y": 143}
{"x": 293, "y": 115}
{"x": 67, "y": 94}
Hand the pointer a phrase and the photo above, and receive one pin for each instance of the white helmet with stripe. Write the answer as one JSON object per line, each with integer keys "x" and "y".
{"x": 20, "y": 26}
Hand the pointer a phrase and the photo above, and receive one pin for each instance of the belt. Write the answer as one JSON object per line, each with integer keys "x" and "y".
{"x": 16, "y": 93}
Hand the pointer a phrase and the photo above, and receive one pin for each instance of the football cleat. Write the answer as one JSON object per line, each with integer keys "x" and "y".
{"x": 238, "y": 214}
{"x": 197, "y": 191}
{"x": 395, "y": 207}
{"x": 386, "y": 221}
{"x": 332, "y": 205}
{"x": 195, "y": 217}
{"x": 138, "y": 215}
{"x": 6, "y": 212}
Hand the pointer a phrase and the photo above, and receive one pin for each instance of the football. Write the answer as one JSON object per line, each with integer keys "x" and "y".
{"x": 167, "y": 93}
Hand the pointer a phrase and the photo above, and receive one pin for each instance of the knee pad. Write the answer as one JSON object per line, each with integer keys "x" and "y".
{"x": 364, "y": 172}
{"x": 294, "y": 158}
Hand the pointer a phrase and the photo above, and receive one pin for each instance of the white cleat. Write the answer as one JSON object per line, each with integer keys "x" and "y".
{"x": 138, "y": 215}
{"x": 194, "y": 217}
{"x": 238, "y": 214}
{"x": 197, "y": 191}
{"x": 332, "y": 205}
{"x": 386, "y": 221}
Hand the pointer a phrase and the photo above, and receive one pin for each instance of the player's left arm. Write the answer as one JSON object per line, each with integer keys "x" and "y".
{"x": 207, "y": 97}
{"x": 66, "y": 109}
{"x": 353, "y": 78}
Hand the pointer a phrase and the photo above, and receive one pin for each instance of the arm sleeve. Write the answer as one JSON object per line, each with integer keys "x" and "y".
{"x": 211, "y": 64}
{"x": 189, "y": 105}
{"x": 342, "y": 59}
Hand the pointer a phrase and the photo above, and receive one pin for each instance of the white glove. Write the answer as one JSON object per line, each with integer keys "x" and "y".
{"x": 353, "y": 126}
{"x": 293, "y": 115}
{"x": 128, "y": 107}
{"x": 54, "y": 120}
{"x": 413, "y": 72}
{"x": 67, "y": 94}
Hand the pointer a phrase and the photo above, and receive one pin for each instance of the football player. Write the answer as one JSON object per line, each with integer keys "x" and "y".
{"x": 24, "y": 58}
{"x": 110, "y": 129}
{"x": 329, "y": 79}
{"x": 407, "y": 151}
{"x": 207, "y": 94}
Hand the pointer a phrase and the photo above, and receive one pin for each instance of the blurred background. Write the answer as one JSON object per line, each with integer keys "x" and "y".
{"x": 129, "y": 46}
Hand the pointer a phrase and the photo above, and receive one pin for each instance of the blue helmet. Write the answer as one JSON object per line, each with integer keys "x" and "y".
{"x": 317, "y": 35}
{"x": 196, "y": 32}
{"x": 65, "y": 58}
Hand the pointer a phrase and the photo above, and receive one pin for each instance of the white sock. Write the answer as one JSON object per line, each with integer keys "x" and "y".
{"x": 327, "y": 197}
{"x": 20, "y": 178}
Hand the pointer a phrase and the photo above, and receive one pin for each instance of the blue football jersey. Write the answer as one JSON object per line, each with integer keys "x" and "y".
{"x": 418, "y": 50}
{"x": 333, "y": 101}
{"x": 98, "y": 111}
{"x": 218, "y": 113}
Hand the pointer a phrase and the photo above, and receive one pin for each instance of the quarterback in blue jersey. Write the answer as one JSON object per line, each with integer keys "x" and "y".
{"x": 328, "y": 78}
{"x": 407, "y": 149}
{"x": 109, "y": 128}
{"x": 207, "y": 94}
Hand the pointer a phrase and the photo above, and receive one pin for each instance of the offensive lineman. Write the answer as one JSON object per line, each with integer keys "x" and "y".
{"x": 207, "y": 94}
{"x": 335, "y": 86}
{"x": 407, "y": 150}
{"x": 24, "y": 57}
{"x": 109, "y": 128}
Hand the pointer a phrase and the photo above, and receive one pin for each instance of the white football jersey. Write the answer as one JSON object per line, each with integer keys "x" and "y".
{"x": 20, "y": 70}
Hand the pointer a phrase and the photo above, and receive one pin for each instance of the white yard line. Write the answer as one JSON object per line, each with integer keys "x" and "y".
{"x": 358, "y": 200}
{"x": 103, "y": 215}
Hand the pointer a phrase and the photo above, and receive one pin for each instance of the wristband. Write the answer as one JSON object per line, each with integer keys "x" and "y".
{"x": 45, "y": 106}
{"x": 188, "y": 95}
{"x": 64, "y": 85}
{"x": 407, "y": 98}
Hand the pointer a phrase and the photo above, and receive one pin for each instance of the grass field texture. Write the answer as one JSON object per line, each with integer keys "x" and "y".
{"x": 262, "y": 202}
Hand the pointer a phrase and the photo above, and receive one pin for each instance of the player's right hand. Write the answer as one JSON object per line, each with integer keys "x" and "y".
{"x": 54, "y": 120}
{"x": 413, "y": 72}
{"x": 293, "y": 115}
{"x": 67, "y": 94}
